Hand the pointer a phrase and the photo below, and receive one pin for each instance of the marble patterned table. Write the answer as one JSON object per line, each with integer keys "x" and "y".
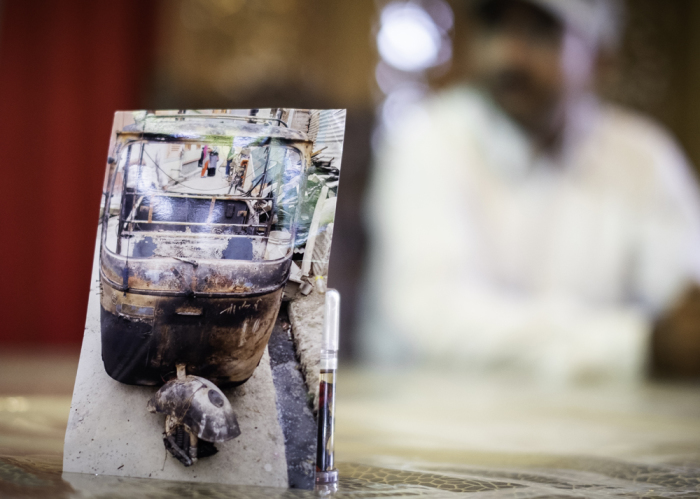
{"x": 404, "y": 434}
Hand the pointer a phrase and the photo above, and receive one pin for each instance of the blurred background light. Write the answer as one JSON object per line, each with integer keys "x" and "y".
{"x": 440, "y": 12}
{"x": 408, "y": 39}
{"x": 413, "y": 41}
{"x": 400, "y": 102}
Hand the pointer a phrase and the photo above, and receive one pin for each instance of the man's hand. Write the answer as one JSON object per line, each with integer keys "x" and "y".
{"x": 676, "y": 339}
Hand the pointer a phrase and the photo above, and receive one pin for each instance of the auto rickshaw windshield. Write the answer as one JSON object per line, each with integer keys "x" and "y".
{"x": 241, "y": 200}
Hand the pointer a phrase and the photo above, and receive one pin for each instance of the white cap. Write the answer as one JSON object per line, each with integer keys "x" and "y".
{"x": 599, "y": 21}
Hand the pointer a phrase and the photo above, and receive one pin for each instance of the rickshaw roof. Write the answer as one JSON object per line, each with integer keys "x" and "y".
{"x": 206, "y": 129}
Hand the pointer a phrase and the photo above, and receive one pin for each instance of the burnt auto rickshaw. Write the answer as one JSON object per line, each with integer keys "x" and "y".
{"x": 193, "y": 266}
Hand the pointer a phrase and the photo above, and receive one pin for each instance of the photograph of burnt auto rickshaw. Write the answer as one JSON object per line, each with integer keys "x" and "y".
{"x": 209, "y": 221}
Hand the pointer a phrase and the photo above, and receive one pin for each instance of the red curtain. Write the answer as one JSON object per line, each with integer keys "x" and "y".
{"x": 65, "y": 67}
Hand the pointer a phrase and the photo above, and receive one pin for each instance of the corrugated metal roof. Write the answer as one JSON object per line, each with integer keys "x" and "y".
{"x": 327, "y": 129}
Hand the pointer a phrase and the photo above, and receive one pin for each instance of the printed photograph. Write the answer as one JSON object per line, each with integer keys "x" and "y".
{"x": 201, "y": 353}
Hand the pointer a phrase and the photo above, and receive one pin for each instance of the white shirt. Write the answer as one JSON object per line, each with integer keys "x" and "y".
{"x": 488, "y": 254}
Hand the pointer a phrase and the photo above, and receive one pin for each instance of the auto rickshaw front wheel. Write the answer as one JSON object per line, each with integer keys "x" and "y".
{"x": 197, "y": 414}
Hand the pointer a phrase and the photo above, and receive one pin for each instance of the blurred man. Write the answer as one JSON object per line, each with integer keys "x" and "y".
{"x": 521, "y": 224}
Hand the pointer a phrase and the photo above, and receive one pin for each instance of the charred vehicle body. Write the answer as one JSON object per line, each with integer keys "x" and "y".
{"x": 194, "y": 259}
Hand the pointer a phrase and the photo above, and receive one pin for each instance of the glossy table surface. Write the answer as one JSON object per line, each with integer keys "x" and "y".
{"x": 407, "y": 434}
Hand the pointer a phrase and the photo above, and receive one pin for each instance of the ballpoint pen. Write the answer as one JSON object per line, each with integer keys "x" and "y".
{"x": 326, "y": 474}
